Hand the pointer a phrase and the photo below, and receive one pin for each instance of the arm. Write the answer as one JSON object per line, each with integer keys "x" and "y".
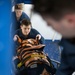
{"x": 15, "y": 42}
{"x": 64, "y": 68}
{"x": 25, "y": 16}
{"x": 37, "y": 34}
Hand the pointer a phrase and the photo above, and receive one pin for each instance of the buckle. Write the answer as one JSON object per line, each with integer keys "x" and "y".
{"x": 33, "y": 66}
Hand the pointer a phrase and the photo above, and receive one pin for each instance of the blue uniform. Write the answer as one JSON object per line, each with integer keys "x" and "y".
{"x": 67, "y": 66}
{"x": 32, "y": 35}
{"x": 16, "y": 23}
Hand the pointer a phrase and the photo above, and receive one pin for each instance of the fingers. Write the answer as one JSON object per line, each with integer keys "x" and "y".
{"x": 15, "y": 37}
{"x": 38, "y": 37}
{"x": 15, "y": 57}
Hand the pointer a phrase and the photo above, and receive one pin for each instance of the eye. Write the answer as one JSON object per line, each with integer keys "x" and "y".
{"x": 19, "y": 11}
{"x": 28, "y": 28}
{"x": 24, "y": 28}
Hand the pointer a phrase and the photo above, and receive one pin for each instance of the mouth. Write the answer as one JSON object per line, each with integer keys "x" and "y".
{"x": 26, "y": 33}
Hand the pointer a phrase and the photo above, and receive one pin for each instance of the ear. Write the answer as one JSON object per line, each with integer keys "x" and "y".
{"x": 71, "y": 19}
{"x": 21, "y": 26}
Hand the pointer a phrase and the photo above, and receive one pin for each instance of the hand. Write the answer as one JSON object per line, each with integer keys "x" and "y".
{"x": 15, "y": 37}
{"x": 38, "y": 36}
{"x": 15, "y": 57}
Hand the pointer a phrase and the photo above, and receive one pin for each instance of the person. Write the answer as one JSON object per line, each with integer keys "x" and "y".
{"x": 26, "y": 32}
{"x": 60, "y": 14}
{"x": 17, "y": 16}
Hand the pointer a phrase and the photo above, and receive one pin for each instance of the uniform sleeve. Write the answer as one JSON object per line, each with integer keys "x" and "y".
{"x": 25, "y": 16}
{"x": 16, "y": 33}
{"x": 42, "y": 41}
{"x": 64, "y": 68}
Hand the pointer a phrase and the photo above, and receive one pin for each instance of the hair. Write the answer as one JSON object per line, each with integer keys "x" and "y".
{"x": 25, "y": 22}
{"x": 54, "y": 7}
{"x": 19, "y": 6}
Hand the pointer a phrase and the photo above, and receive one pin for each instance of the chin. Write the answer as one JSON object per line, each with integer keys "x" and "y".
{"x": 25, "y": 34}
{"x": 18, "y": 15}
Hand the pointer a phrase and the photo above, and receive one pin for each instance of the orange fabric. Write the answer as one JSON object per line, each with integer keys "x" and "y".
{"x": 32, "y": 44}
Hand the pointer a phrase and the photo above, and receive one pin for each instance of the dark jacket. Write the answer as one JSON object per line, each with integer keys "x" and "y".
{"x": 32, "y": 35}
{"x": 67, "y": 66}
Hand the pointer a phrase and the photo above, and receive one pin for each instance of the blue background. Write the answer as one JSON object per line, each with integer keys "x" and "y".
{"x": 5, "y": 53}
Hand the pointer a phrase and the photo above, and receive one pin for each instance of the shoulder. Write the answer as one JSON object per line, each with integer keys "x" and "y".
{"x": 17, "y": 31}
{"x": 13, "y": 13}
{"x": 23, "y": 13}
{"x": 34, "y": 31}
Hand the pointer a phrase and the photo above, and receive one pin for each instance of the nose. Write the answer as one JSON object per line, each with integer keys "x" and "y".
{"x": 49, "y": 24}
{"x": 26, "y": 30}
{"x": 18, "y": 12}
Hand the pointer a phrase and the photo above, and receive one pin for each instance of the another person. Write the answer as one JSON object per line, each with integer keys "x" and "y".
{"x": 17, "y": 16}
{"x": 60, "y": 14}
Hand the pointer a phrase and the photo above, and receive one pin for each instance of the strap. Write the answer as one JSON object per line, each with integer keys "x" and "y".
{"x": 32, "y": 56}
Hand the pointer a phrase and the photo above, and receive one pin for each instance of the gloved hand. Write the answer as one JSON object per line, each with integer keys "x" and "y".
{"x": 15, "y": 38}
{"x": 38, "y": 36}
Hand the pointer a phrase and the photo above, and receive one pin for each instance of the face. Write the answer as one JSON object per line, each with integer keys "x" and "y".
{"x": 26, "y": 29}
{"x": 65, "y": 26}
{"x": 18, "y": 13}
